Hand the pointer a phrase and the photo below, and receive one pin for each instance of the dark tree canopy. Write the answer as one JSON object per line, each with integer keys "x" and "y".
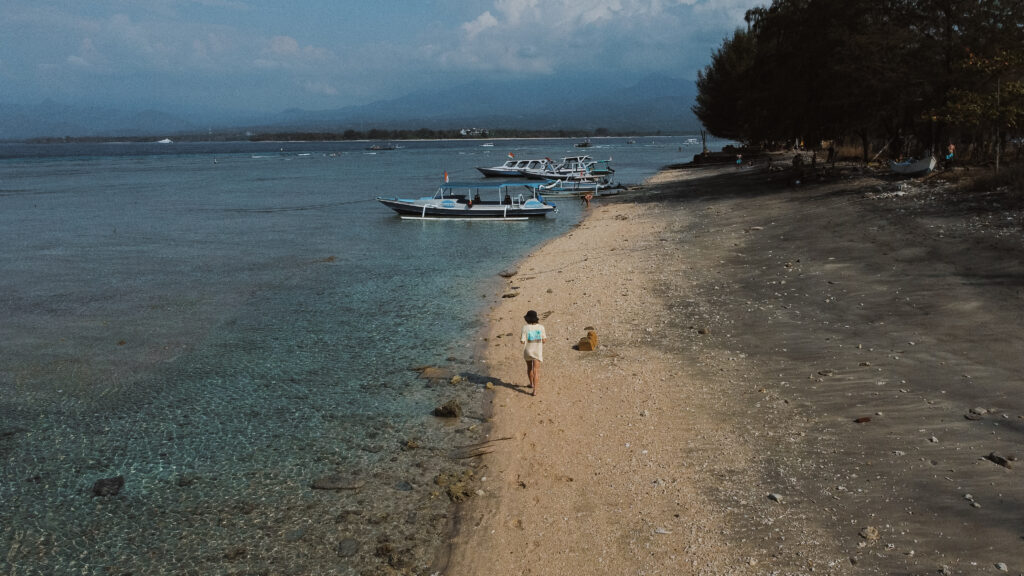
{"x": 880, "y": 70}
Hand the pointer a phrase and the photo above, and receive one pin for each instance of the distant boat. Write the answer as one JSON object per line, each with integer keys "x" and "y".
{"x": 584, "y": 144}
{"x": 378, "y": 147}
{"x": 488, "y": 144}
{"x": 474, "y": 201}
{"x": 630, "y": 141}
{"x": 165, "y": 141}
{"x": 914, "y": 167}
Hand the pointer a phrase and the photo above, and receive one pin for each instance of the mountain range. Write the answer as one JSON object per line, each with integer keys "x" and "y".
{"x": 655, "y": 103}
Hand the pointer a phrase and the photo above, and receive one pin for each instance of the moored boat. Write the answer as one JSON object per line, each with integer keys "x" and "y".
{"x": 512, "y": 168}
{"x": 474, "y": 201}
{"x": 583, "y": 168}
{"x": 914, "y": 167}
{"x": 575, "y": 189}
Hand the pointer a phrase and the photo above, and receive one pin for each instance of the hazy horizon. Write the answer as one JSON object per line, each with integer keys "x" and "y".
{"x": 204, "y": 57}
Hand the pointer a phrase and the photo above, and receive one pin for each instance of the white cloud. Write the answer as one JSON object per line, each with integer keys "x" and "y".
{"x": 482, "y": 22}
{"x": 531, "y": 36}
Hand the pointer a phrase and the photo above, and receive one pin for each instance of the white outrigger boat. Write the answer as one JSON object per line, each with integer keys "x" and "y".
{"x": 511, "y": 168}
{"x": 914, "y": 167}
{"x": 474, "y": 201}
{"x": 580, "y": 168}
{"x": 574, "y": 189}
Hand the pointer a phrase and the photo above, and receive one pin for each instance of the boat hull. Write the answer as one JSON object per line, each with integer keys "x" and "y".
{"x": 499, "y": 172}
{"x": 454, "y": 210}
{"x": 915, "y": 168}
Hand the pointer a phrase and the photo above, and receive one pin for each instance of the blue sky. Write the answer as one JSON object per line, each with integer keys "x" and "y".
{"x": 267, "y": 56}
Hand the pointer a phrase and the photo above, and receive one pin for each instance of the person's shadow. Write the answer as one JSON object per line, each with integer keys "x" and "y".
{"x": 484, "y": 379}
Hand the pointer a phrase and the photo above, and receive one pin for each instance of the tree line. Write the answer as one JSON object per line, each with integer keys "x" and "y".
{"x": 906, "y": 75}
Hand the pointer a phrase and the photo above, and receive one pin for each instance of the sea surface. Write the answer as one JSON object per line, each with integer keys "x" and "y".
{"x": 222, "y": 325}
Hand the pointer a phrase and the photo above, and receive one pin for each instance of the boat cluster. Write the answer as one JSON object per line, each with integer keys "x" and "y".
{"x": 574, "y": 176}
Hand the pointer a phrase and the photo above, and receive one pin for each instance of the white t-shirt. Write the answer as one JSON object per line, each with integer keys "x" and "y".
{"x": 532, "y": 337}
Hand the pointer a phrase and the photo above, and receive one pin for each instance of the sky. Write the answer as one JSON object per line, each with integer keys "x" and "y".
{"x": 270, "y": 55}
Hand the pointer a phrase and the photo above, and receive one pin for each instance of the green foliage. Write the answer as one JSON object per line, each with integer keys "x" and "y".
{"x": 924, "y": 70}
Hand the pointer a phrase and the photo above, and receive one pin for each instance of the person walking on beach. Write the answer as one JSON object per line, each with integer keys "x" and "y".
{"x": 533, "y": 337}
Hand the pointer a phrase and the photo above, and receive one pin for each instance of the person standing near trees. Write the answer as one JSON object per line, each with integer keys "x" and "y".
{"x": 533, "y": 337}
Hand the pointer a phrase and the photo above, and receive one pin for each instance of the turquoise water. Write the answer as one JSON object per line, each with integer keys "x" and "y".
{"x": 222, "y": 324}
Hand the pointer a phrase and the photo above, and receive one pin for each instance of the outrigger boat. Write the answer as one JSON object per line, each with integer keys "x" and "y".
{"x": 914, "y": 167}
{"x": 581, "y": 168}
{"x": 511, "y": 168}
{"x": 474, "y": 201}
{"x": 570, "y": 188}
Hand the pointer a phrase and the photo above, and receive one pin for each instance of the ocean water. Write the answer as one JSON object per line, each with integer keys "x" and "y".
{"x": 223, "y": 324}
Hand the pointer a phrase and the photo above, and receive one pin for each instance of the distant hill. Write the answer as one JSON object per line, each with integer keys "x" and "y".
{"x": 655, "y": 103}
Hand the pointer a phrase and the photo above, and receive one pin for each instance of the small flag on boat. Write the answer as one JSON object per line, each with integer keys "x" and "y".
{"x": 511, "y": 155}
{"x": 445, "y": 176}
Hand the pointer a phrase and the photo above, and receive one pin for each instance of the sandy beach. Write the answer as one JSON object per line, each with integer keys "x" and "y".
{"x": 823, "y": 378}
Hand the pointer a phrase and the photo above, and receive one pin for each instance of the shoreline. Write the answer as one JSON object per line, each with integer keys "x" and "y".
{"x": 759, "y": 394}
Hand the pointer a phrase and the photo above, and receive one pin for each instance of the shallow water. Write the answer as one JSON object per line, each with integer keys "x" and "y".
{"x": 222, "y": 324}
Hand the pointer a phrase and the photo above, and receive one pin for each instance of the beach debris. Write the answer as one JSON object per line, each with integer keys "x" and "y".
{"x": 703, "y": 330}
{"x": 108, "y": 486}
{"x": 933, "y": 440}
{"x": 508, "y": 273}
{"x": 662, "y": 531}
{"x": 976, "y": 413}
{"x": 457, "y": 379}
{"x": 970, "y": 498}
{"x": 826, "y": 372}
{"x": 477, "y": 449}
{"x": 869, "y": 533}
{"x": 456, "y": 484}
{"x": 588, "y": 343}
{"x": 450, "y": 409}
{"x": 336, "y": 482}
{"x": 997, "y": 459}
{"x": 862, "y": 419}
{"x": 489, "y": 385}
{"x": 510, "y": 295}
{"x": 1002, "y": 567}
{"x": 348, "y": 547}
{"x": 775, "y": 497}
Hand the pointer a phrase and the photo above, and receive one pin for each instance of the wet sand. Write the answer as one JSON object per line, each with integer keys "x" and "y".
{"x": 824, "y": 378}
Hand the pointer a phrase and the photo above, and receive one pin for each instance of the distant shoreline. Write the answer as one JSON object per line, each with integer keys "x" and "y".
{"x": 326, "y": 137}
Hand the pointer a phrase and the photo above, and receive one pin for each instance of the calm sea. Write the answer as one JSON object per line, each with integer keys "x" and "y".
{"x": 223, "y": 324}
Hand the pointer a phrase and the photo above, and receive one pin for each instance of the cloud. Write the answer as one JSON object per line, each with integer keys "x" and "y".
{"x": 534, "y": 37}
{"x": 482, "y": 22}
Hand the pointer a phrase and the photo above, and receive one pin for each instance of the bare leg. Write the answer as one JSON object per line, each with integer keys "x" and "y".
{"x": 535, "y": 377}
{"x": 529, "y": 372}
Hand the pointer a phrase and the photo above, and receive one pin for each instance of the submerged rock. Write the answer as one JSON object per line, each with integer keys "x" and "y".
{"x": 108, "y": 486}
{"x": 450, "y": 409}
{"x": 348, "y": 547}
